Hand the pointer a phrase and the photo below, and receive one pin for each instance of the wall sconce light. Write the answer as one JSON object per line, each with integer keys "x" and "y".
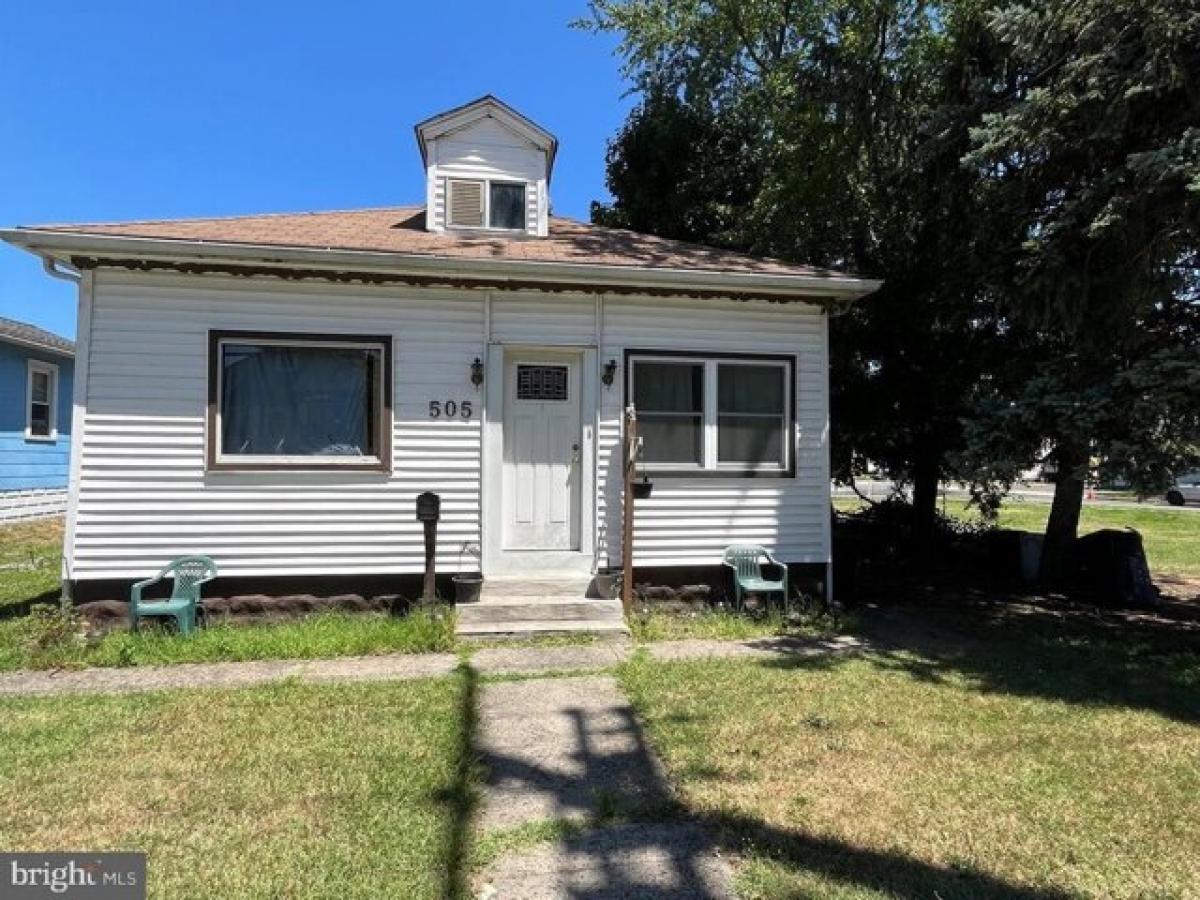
{"x": 610, "y": 372}
{"x": 477, "y": 372}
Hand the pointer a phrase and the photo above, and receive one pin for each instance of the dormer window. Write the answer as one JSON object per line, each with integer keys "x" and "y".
{"x": 506, "y": 205}
{"x": 487, "y": 167}
{"x": 499, "y": 204}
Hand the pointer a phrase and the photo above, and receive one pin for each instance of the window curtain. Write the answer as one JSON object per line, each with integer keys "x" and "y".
{"x": 750, "y": 418}
{"x": 669, "y": 398}
{"x": 297, "y": 401}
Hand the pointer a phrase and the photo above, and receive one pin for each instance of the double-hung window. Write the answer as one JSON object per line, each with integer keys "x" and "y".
{"x": 41, "y": 401}
{"x": 486, "y": 204}
{"x": 299, "y": 401}
{"x": 713, "y": 414}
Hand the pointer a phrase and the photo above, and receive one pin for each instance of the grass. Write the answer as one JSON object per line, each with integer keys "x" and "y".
{"x": 30, "y": 563}
{"x": 722, "y": 625}
{"x": 35, "y": 643}
{"x": 280, "y": 791}
{"x": 1031, "y": 758}
{"x": 1171, "y": 536}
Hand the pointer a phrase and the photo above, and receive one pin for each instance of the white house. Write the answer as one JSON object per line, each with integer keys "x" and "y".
{"x": 274, "y": 391}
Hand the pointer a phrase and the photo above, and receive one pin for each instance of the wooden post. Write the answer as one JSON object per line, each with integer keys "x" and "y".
{"x": 429, "y": 590}
{"x": 630, "y": 471}
{"x": 429, "y": 510}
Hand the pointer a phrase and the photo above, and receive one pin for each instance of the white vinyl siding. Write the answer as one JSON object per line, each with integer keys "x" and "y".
{"x": 145, "y": 497}
{"x": 690, "y": 520}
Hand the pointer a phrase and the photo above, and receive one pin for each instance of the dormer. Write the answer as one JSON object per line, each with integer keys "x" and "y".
{"x": 487, "y": 169}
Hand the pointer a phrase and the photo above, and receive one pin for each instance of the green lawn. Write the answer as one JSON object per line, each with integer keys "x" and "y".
{"x": 30, "y": 562}
{"x": 45, "y": 642}
{"x": 280, "y": 791}
{"x": 723, "y": 625}
{"x": 1031, "y": 760}
{"x": 1171, "y": 536}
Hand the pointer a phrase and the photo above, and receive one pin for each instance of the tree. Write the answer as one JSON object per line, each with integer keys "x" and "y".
{"x": 830, "y": 134}
{"x": 1093, "y": 150}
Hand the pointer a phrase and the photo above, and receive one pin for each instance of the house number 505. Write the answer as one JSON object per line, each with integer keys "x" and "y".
{"x": 450, "y": 409}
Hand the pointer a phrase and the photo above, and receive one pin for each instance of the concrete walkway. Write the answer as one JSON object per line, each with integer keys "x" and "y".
{"x": 399, "y": 667}
{"x": 572, "y": 749}
{"x": 552, "y": 749}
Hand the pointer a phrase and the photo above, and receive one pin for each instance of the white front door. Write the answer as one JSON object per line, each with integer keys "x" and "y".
{"x": 541, "y": 452}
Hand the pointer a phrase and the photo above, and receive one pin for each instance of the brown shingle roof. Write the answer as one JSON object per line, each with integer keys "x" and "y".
{"x": 401, "y": 230}
{"x": 31, "y": 335}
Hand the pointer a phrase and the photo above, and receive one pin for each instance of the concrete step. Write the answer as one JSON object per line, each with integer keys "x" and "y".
{"x": 539, "y": 603}
{"x": 542, "y": 626}
{"x": 500, "y": 588}
{"x": 562, "y": 610}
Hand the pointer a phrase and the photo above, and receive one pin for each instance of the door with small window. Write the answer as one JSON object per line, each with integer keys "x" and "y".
{"x": 541, "y": 453}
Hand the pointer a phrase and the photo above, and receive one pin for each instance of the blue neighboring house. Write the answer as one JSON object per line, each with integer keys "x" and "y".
{"x": 36, "y": 374}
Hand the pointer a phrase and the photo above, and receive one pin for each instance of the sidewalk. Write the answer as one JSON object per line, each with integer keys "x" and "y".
{"x": 572, "y": 750}
{"x": 400, "y": 667}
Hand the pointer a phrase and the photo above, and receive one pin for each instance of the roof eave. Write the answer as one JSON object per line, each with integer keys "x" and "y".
{"x": 63, "y": 245}
{"x": 36, "y": 345}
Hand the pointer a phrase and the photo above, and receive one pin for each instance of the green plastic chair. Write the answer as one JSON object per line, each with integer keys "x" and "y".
{"x": 188, "y": 573}
{"x": 746, "y": 562}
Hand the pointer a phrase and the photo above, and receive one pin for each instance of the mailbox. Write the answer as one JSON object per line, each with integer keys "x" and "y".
{"x": 429, "y": 507}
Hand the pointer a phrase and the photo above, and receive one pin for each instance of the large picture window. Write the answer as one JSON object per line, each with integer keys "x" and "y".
{"x": 303, "y": 401}
{"x": 713, "y": 414}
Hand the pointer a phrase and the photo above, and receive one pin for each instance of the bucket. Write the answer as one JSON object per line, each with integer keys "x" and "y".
{"x": 467, "y": 588}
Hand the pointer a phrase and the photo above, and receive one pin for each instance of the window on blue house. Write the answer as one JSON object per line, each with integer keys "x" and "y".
{"x": 41, "y": 410}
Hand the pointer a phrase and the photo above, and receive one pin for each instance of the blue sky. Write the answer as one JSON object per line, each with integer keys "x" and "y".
{"x": 158, "y": 109}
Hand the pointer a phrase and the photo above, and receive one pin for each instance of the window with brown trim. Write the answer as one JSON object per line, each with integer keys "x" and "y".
{"x": 713, "y": 414}
{"x": 279, "y": 400}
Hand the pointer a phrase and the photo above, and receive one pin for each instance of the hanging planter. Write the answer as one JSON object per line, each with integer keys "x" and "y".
{"x": 642, "y": 489}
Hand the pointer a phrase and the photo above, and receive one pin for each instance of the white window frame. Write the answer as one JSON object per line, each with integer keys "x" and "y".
{"x": 50, "y": 370}
{"x": 710, "y": 463}
{"x": 486, "y": 200}
{"x": 381, "y": 459}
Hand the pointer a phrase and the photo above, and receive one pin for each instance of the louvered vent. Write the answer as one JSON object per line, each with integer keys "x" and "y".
{"x": 466, "y": 203}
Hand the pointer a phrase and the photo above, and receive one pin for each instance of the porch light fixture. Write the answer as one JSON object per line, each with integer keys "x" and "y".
{"x": 477, "y": 372}
{"x": 610, "y": 372}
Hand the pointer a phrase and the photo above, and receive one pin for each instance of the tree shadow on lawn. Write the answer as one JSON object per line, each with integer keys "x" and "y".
{"x": 628, "y": 812}
{"x": 461, "y": 795}
{"x": 1057, "y": 651}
